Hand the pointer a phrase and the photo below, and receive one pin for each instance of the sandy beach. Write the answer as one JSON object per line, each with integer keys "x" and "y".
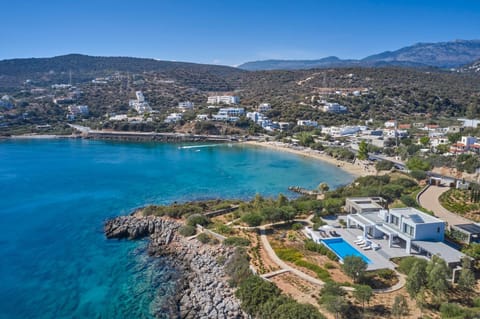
{"x": 357, "y": 169}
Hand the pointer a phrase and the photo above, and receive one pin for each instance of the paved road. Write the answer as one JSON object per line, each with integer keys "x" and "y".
{"x": 429, "y": 200}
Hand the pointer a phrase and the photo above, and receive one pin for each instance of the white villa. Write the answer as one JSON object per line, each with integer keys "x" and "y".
{"x": 406, "y": 227}
{"x": 140, "y": 105}
{"x": 173, "y": 118}
{"x": 307, "y": 123}
{"x": 225, "y": 99}
{"x": 264, "y": 107}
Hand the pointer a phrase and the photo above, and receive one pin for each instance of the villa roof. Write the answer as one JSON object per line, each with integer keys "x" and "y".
{"x": 469, "y": 228}
{"x": 447, "y": 253}
{"x": 416, "y": 216}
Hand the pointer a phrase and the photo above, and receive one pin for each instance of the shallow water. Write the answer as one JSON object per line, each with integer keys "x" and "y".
{"x": 56, "y": 194}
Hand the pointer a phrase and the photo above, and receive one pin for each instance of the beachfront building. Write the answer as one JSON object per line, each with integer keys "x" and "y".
{"x": 173, "y": 118}
{"x": 202, "y": 117}
{"x": 223, "y": 99}
{"x": 232, "y": 111}
{"x": 407, "y": 227}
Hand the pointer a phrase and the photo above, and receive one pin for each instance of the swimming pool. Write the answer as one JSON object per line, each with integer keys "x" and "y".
{"x": 343, "y": 249}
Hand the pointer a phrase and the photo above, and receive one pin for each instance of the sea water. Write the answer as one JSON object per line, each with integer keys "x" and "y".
{"x": 56, "y": 194}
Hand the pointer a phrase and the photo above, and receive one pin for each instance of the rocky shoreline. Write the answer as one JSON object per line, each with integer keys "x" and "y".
{"x": 203, "y": 291}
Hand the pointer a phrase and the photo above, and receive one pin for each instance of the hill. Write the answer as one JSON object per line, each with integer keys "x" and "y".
{"x": 442, "y": 55}
{"x": 84, "y": 68}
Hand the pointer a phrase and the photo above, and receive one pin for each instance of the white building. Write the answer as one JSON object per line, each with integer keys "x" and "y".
{"x": 202, "y": 117}
{"x": 390, "y": 124}
{"x": 173, "y": 118}
{"x": 119, "y": 117}
{"x": 140, "y": 105}
{"x": 225, "y": 99}
{"x": 264, "y": 107}
{"x": 334, "y": 108}
{"x": 78, "y": 109}
{"x": 469, "y": 123}
{"x": 307, "y": 123}
{"x": 413, "y": 229}
{"x": 187, "y": 105}
{"x": 232, "y": 111}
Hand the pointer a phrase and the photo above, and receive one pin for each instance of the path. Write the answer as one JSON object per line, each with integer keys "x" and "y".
{"x": 429, "y": 199}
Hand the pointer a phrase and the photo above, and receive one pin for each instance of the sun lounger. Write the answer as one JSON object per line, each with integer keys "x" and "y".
{"x": 375, "y": 246}
{"x": 359, "y": 240}
{"x": 360, "y": 243}
{"x": 367, "y": 243}
{"x": 367, "y": 247}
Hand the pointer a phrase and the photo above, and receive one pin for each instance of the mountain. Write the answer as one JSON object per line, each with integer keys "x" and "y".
{"x": 84, "y": 68}
{"x": 442, "y": 55}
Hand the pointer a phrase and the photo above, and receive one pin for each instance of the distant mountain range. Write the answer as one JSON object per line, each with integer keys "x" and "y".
{"x": 451, "y": 54}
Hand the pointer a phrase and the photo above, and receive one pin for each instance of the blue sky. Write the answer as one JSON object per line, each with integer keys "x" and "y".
{"x": 229, "y": 32}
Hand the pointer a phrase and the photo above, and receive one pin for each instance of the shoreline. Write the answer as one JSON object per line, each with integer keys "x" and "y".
{"x": 356, "y": 170}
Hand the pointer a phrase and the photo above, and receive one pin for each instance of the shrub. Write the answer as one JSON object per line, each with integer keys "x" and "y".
{"x": 297, "y": 226}
{"x": 224, "y": 229}
{"x": 321, "y": 249}
{"x": 387, "y": 274}
{"x": 319, "y": 271}
{"x": 409, "y": 201}
{"x": 289, "y": 254}
{"x": 406, "y": 264}
{"x": 328, "y": 265}
{"x": 197, "y": 219}
{"x": 252, "y": 219}
{"x": 384, "y": 165}
{"x": 236, "y": 241}
{"x": 187, "y": 230}
{"x": 203, "y": 238}
{"x": 418, "y": 174}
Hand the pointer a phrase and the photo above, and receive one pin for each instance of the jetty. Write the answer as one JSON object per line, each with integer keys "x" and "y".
{"x": 303, "y": 191}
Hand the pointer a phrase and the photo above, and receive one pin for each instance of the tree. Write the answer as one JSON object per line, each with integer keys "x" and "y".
{"x": 335, "y": 304}
{"x": 416, "y": 279}
{"x": 400, "y": 306}
{"x": 466, "y": 280}
{"x": 425, "y": 140}
{"x": 437, "y": 279}
{"x": 416, "y": 163}
{"x": 362, "y": 151}
{"x": 323, "y": 187}
{"x": 362, "y": 294}
{"x": 354, "y": 267}
{"x": 282, "y": 200}
{"x": 252, "y": 219}
{"x": 305, "y": 138}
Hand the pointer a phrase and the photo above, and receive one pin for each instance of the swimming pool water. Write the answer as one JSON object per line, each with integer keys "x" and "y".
{"x": 343, "y": 249}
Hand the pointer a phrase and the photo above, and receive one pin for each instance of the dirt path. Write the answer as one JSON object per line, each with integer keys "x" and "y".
{"x": 430, "y": 200}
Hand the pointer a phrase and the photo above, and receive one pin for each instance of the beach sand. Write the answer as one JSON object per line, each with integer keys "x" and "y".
{"x": 356, "y": 169}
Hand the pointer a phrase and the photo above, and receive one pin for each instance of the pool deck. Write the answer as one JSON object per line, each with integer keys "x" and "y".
{"x": 380, "y": 258}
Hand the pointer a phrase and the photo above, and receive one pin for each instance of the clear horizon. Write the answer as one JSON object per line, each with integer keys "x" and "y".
{"x": 215, "y": 32}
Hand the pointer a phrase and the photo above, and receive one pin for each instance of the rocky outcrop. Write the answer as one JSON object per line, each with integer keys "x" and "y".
{"x": 203, "y": 291}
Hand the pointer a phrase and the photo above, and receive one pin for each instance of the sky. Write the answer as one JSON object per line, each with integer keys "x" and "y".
{"x": 229, "y": 32}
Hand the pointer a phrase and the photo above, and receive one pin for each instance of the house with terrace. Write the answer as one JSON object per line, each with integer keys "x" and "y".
{"x": 407, "y": 228}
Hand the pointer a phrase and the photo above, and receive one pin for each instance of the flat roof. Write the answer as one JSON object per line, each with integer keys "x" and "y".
{"x": 415, "y": 215}
{"x": 447, "y": 253}
{"x": 470, "y": 228}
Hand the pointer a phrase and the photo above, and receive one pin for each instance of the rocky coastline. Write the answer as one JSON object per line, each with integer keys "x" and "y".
{"x": 203, "y": 290}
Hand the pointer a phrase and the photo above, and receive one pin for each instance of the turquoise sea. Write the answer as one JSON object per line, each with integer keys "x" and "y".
{"x": 56, "y": 194}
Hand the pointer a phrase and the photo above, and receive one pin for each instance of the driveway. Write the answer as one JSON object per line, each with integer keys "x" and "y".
{"x": 429, "y": 200}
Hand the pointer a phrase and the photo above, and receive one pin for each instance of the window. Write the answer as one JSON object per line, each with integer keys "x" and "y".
{"x": 407, "y": 229}
{"x": 394, "y": 220}
{"x": 438, "y": 229}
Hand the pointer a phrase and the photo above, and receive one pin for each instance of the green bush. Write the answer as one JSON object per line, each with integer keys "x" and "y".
{"x": 321, "y": 273}
{"x": 406, "y": 264}
{"x": 321, "y": 249}
{"x": 384, "y": 165}
{"x": 197, "y": 219}
{"x": 203, "y": 238}
{"x": 289, "y": 254}
{"x": 297, "y": 226}
{"x": 187, "y": 230}
{"x": 236, "y": 241}
{"x": 408, "y": 201}
{"x": 418, "y": 174}
{"x": 329, "y": 265}
{"x": 252, "y": 219}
